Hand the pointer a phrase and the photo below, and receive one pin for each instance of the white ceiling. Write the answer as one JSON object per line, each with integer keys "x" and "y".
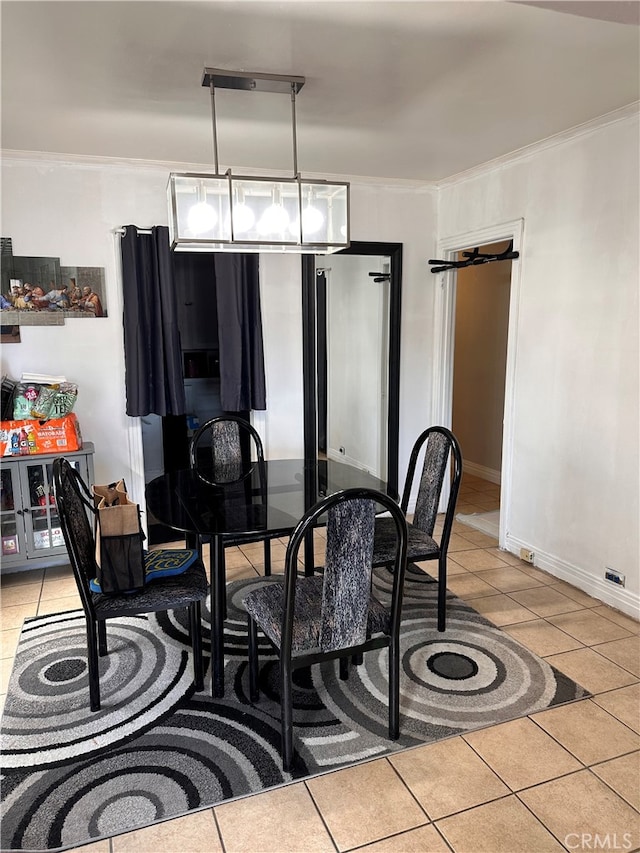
{"x": 415, "y": 90}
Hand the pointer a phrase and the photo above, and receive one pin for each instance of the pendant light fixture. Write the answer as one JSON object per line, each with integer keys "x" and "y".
{"x": 222, "y": 212}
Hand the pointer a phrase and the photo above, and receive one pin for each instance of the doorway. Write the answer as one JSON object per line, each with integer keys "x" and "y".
{"x": 481, "y": 325}
{"x": 444, "y": 365}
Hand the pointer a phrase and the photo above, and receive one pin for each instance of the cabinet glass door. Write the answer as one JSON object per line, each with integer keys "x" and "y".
{"x": 11, "y": 524}
{"x": 44, "y": 533}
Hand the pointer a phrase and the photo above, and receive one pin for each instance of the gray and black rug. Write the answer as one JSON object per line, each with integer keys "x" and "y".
{"x": 157, "y": 749}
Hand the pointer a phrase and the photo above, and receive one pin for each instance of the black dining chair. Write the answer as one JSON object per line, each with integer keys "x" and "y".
{"x": 333, "y": 614}
{"x": 186, "y": 590}
{"x": 441, "y": 445}
{"x": 218, "y": 449}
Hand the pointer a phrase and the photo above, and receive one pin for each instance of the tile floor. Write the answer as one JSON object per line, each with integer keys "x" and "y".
{"x": 563, "y": 779}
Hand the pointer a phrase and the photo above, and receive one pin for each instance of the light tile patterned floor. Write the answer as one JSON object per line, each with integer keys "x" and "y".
{"x": 564, "y": 779}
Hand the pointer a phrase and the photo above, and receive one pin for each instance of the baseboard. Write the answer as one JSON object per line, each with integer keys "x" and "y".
{"x": 622, "y": 599}
{"x": 336, "y": 456}
{"x": 481, "y": 471}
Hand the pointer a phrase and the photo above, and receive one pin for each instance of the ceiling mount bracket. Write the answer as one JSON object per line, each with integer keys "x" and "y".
{"x": 281, "y": 84}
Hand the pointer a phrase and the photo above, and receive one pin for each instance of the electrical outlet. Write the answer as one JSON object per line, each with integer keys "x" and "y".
{"x": 613, "y": 576}
{"x": 526, "y": 554}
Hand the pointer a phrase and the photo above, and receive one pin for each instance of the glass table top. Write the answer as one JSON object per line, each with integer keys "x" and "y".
{"x": 269, "y": 497}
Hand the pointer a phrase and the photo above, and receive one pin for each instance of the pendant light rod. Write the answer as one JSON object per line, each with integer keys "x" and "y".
{"x": 219, "y": 78}
{"x": 293, "y": 127}
{"x": 215, "y": 126}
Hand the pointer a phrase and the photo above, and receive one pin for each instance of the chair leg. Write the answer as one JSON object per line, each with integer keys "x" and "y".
{"x": 309, "y": 554}
{"x": 267, "y": 558}
{"x": 286, "y": 714}
{"x": 222, "y": 591}
{"x": 442, "y": 592}
{"x": 254, "y": 689}
{"x": 92, "y": 660}
{"x": 195, "y": 610}
{"x": 344, "y": 668}
{"x": 218, "y": 606}
{"x": 394, "y": 688}
{"x": 102, "y": 638}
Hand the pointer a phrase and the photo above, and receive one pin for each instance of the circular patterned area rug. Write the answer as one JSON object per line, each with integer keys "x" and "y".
{"x": 157, "y": 749}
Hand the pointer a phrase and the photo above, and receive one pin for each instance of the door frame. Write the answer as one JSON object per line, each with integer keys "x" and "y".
{"x": 444, "y": 333}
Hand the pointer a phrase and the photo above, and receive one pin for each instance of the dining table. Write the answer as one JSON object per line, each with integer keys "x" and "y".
{"x": 256, "y": 500}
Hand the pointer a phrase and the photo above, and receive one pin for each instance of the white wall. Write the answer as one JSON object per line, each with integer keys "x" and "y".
{"x": 69, "y": 209}
{"x": 575, "y": 487}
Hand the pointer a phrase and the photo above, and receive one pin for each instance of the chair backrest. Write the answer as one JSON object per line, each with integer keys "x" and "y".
{"x": 440, "y": 444}
{"x": 72, "y": 501}
{"x": 223, "y": 444}
{"x": 346, "y": 585}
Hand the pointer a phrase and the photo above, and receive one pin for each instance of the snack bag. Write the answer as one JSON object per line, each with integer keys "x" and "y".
{"x": 26, "y": 394}
{"x": 42, "y": 409}
{"x": 65, "y": 400}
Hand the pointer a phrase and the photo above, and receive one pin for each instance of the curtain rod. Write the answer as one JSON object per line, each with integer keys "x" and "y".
{"x": 122, "y": 231}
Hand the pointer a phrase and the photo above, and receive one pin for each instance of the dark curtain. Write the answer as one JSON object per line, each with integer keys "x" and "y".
{"x": 242, "y": 383}
{"x": 153, "y": 359}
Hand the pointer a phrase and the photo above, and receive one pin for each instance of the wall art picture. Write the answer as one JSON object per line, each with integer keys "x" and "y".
{"x": 39, "y": 291}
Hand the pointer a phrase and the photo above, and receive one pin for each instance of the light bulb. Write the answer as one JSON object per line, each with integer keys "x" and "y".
{"x": 312, "y": 220}
{"x": 243, "y": 218}
{"x": 201, "y": 218}
{"x": 274, "y": 220}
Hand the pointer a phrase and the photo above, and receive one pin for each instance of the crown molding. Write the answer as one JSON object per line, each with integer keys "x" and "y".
{"x": 528, "y": 151}
{"x": 91, "y": 161}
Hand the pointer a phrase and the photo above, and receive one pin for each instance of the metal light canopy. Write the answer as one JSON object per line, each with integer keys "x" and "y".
{"x": 230, "y": 213}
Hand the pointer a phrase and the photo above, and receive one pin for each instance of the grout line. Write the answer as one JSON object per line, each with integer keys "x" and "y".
{"x": 614, "y": 663}
{"x": 613, "y": 717}
{"x": 417, "y": 801}
{"x": 536, "y": 784}
{"x": 320, "y": 815}
{"x": 370, "y": 844}
{"x": 218, "y": 829}
{"x": 567, "y": 749}
{"x": 497, "y": 799}
{"x": 540, "y": 821}
{"x": 605, "y": 782}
